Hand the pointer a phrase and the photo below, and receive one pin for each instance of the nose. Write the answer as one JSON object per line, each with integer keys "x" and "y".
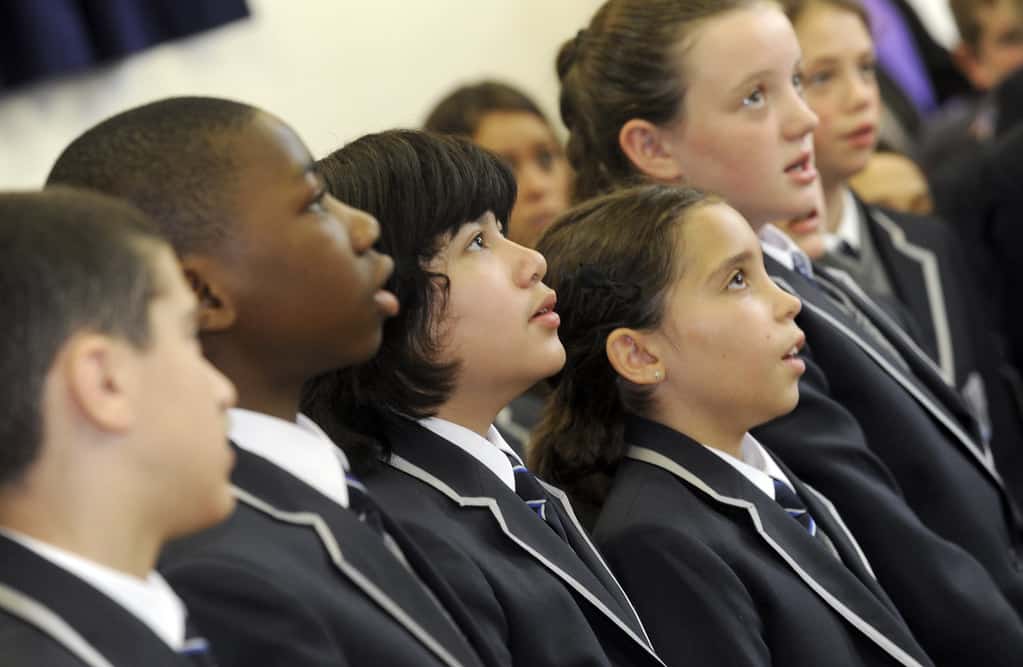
{"x": 800, "y": 120}
{"x": 363, "y": 228}
{"x": 862, "y": 91}
{"x": 223, "y": 389}
{"x": 530, "y": 266}
{"x": 787, "y": 306}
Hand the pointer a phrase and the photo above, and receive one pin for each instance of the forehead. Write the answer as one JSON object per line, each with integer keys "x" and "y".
{"x": 824, "y": 29}
{"x": 728, "y": 48}
{"x": 711, "y": 234}
{"x": 270, "y": 155}
{"x": 508, "y": 129}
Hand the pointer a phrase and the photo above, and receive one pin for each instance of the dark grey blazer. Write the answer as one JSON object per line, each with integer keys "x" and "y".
{"x": 724, "y": 576}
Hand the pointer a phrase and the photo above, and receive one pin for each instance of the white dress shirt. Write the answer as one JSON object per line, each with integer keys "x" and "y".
{"x": 756, "y": 465}
{"x": 781, "y": 248}
{"x": 151, "y": 600}
{"x": 848, "y": 227}
{"x": 300, "y": 448}
{"x": 492, "y": 451}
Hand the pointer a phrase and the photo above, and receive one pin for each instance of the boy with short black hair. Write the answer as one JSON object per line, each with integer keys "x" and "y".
{"x": 307, "y": 571}
{"x": 113, "y": 431}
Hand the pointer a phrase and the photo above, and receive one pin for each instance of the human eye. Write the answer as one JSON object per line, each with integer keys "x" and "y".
{"x": 754, "y": 99}
{"x": 820, "y": 78}
{"x": 545, "y": 159}
{"x": 478, "y": 242}
{"x": 316, "y": 204}
{"x": 737, "y": 281}
{"x": 868, "y": 69}
{"x": 797, "y": 82}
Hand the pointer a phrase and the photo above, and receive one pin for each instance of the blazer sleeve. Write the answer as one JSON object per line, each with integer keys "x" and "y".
{"x": 948, "y": 599}
{"x": 695, "y": 608}
{"x": 250, "y": 620}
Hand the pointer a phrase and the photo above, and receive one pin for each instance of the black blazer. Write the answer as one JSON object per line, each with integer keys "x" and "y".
{"x": 536, "y": 600}
{"x": 723, "y": 576}
{"x": 292, "y": 579}
{"x": 51, "y": 618}
{"x": 897, "y": 456}
{"x": 928, "y": 269}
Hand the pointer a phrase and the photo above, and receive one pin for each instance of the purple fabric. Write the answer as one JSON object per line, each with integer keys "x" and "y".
{"x": 898, "y": 55}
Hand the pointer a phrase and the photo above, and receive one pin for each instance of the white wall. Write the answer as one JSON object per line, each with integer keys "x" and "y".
{"x": 334, "y": 69}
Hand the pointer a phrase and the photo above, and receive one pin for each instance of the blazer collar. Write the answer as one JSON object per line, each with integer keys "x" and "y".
{"x": 433, "y": 461}
{"x": 852, "y": 599}
{"x": 266, "y": 488}
{"x": 90, "y": 625}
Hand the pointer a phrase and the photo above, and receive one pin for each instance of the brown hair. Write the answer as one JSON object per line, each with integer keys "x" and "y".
{"x": 611, "y": 260}
{"x": 795, "y": 8}
{"x": 624, "y": 65}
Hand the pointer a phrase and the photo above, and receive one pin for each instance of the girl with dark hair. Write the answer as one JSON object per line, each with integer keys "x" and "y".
{"x": 505, "y": 121}
{"x": 677, "y": 344}
{"x": 709, "y": 93}
{"x": 477, "y": 328}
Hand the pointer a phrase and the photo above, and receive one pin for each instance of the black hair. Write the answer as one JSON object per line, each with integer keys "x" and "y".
{"x": 612, "y": 261}
{"x": 461, "y": 110}
{"x": 423, "y": 188}
{"x": 172, "y": 158}
{"x": 625, "y": 65}
{"x": 69, "y": 261}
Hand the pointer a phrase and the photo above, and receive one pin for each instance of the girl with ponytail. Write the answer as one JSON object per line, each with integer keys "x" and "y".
{"x": 709, "y": 93}
{"x": 677, "y": 344}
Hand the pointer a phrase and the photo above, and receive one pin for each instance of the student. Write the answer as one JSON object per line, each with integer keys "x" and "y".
{"x": 307, "y": 571}
{"x": 874, "y": 416}
{"x": 678, "y": 344}
{"x": 113, "y": 435}
{"x": 505, "y": 121}
{"x": 899, "y": 259}
{"x": 478, "y": 327}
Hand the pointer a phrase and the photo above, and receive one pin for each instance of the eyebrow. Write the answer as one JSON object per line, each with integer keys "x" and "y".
{"x": 748, "y": 81}
{"x": 729, "y": 264}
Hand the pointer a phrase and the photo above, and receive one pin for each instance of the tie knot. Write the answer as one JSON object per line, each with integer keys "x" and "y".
{"x": 793, "y": 505}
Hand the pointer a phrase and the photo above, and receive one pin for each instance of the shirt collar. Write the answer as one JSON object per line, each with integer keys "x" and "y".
{"x": 849, "y": 227}
{"x": 150, "y": 600}
{"x": 491, "y": 451}
{"x": 756, "y": 465}
{"x": 780, "y": 247}
{"x": 300, "y": 448}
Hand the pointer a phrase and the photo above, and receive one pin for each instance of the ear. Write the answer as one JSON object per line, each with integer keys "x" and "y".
{"x": 647, "y": 147}
{"x": 631, "y": 356}
{"x": 101, "y": 379}
{"x": 204, "y": 275}
{"x": 969, "y": 63}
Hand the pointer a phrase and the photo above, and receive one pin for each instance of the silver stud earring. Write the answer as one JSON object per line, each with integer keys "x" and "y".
{"x": 657, "y": 376}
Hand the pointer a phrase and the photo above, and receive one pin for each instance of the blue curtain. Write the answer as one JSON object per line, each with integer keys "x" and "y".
{"x": 45, "y": 38}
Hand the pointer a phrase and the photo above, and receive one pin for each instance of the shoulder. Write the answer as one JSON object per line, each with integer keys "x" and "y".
{"x": 24, "y": 644}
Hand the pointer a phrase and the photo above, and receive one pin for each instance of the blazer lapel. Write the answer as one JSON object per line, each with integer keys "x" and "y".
{"x": 814, "y": 301}
{"x": 829, "y": 578}
{"x": 266, "y": 488}
{"x": 90, "y": 625}
{"x": 916, "y": 276}
{"x": 434, "y": 461}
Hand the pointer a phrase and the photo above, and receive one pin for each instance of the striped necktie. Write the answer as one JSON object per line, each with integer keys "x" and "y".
{"x": 532, "y": 493}
{"x": 195, "y": 649}
{"x": 793, "y": 505}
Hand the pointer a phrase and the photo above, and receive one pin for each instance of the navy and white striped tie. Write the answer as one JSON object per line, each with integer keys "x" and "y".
{"x": 793, "y": 505}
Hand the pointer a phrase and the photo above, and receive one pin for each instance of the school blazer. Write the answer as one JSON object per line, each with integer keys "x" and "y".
{"x": 51, "y": 618}
{"x": 724, "y": 576}
{"x": 292, "y": 579}
{"x": 926, "y": 264}
{"x": 906, "y": 475}
{"x": 535, "y": 599}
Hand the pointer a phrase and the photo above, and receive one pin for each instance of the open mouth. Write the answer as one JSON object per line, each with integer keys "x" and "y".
{"x": 546, "y": 307}
{"x": 795, "y": 349}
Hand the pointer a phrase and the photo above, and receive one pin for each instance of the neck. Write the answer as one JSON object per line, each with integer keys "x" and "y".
{"x": 834, "y": 201}
{"x": 475, "y": 408}
{"x": 259, "y": 388}
{"x": 84, "y": 522}
{"x": 722, "y": 435}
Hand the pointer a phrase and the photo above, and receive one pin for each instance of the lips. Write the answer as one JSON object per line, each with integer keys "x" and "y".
{"x": 801, "y": 170}
{"x": 862, "y": 137}
{"x": 797, "y": 346}
{"x": 546, "y": 306}
{"x": 386, "y": 301}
